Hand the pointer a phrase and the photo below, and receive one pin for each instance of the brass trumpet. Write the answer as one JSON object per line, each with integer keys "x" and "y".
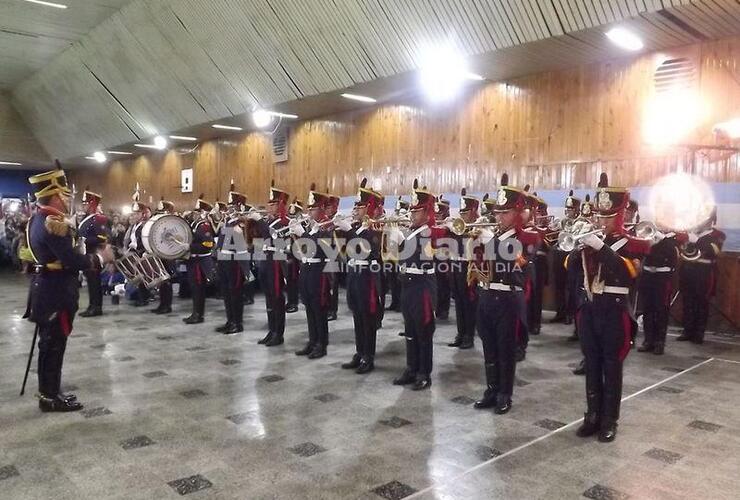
{"x": 569, "y": 241}
{"x": 387, "y": 221}
{"x": 459, "y": 227}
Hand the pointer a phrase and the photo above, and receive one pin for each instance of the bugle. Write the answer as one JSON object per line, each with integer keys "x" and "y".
{"x": 568, "y": 241}
{"x": 459, "y": 227}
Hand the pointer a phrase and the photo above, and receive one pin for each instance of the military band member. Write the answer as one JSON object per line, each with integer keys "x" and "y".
{"x": 314, "y": 280}
{"x": 418, "y": 289}
{"x": 338, "y": 275}
{"x": 698, "y": 277}
{"x": 464, "y": 292}
{"x": 141, "y": 214}
{"x": 656, "y": 287}
{"x": 390, "y": 275}
{"x": 93, "y": 229}
{"x": 292, "y": 264}
{"x": 541, "y": 268}
{"x": 502, "y": 315}
{"x": 605, "y": 323}
{"x": 270, "y": 267}
{"x": 364, "y": 286}
{"x": 442, "y": 272}
{"x": 200, "y": 263}
{"x": 230, "y": 263}
{"x": 165, "y": 288}
{"x": 55, "y": 290}
{"x": 564, "y": 295}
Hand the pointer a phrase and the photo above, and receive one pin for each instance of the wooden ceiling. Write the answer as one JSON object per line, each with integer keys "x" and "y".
{"x": 160, "y": 66}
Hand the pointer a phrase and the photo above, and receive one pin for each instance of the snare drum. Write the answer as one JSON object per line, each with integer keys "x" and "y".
{"x": 129, "y": 267}
{"x": 152, "y": 271}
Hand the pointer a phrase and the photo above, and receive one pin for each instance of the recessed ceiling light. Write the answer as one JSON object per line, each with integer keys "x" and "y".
{"x": 48, "y": 4}
{"x": 183, "y": 138}
{"x": 443, "y": 72}
{"x": 625, "y": 39}
{"x": 160, "y": 142}
{"x": 360, "y": 98}
{"x": 283, "y": 115}
{"x": 261, "y": 118}
{"x": 9, "y": 163}
{"x": 99, "y": 156}
{"x": 225, "y": 127}
{"x": 89, "y": 157}
{"x": 119, "y": 153}
{"x": 147, "y": 146}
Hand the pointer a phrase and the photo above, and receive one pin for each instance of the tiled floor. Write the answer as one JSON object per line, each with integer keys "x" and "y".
{"x": 177, "y": 410}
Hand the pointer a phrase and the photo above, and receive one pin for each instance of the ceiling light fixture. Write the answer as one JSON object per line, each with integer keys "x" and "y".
{"x": 261, "y": 118}
{"x": 361, "y": 98}
{"x": 226, "y": 127}
{"x": 119, "y": 153}
{"x": 99, "y": 156}
{"x": 183, "y": 138}
{"x": 48, "y": 4}
{"x": 147, "y": 146}
{"x": 13, "y": 163}
{"x": 625, "y": 39}
{"x": 160, "y": 142}
{"x": 443, "y": 72}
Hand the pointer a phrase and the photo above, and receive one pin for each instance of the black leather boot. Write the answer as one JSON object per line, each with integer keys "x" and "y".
{"x": 233, "y": 329}
{"x": 503, "y": 404}
{"x": 457, "y": 342}
{"x": 352, "y": 365}
{"x": 608, "y": 430}
{"x": 275, "y": 339}
{"x": 193, "y": 319}
{"x": 56, "y": 404}
{"x": 467, "y": 343}
{"x": 291, "y": 308}
{"x": 521, "y": 354}
{"x": 684, "y": 337}
{"x": 319, "y": 351}
{"x": 266, "y": 338}
{"x": 590, "y": 425}
{"x": 406, "y": 378}
{"x": 659, "y": 348}
{"x": 581, "y": 368}
{"x": 489, "y": 396}
{"x": 422, "y": 382}
{"x": 90, "y": 313}
{"x": 366, "y": 366}
{"x": 308, "y": 349}
{"x": 645, "y": 347}
{"x": 332, "y": 316}
{"x": 224, "y": 327}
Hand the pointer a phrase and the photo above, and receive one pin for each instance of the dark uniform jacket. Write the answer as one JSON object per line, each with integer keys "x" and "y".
{"x": 94, "y": 228}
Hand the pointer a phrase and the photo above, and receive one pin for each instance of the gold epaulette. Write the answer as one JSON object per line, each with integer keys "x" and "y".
{"x": 56, "y": 225}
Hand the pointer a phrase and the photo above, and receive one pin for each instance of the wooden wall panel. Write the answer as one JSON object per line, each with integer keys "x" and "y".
{"x": 555, "y": 129}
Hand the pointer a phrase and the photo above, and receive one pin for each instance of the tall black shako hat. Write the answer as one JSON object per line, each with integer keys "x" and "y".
{"x": 468, "y": 203}
{"x": 368, "y": 197}
{"x": 610, "y": 200}
{"x": 508, "y": 197}
{"x": 317, "y": 199}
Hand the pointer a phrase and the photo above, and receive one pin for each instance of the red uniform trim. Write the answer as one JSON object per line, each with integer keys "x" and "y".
{"x": 373, "y": 299}
{"x": 65, "y": 323}
{"x": 198, "y": 274}
{"x": 517, "y": 329}
{"x": 427, "y": 306}
{"x": 276, "y": 277}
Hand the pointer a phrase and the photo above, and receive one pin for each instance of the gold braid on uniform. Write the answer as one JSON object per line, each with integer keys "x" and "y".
{"x": 56, "y": 225}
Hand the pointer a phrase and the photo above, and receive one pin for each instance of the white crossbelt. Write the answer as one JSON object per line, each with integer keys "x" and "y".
{"x": 311, "y": 260}
{"x": 359, "y": 262}
{"x": 500, "y": 287}
{"x": 662, "y": 269}
{"x": 703, "y": 261}
{"x": 415, "y": 270}
{"x": 200, "y": 255}
{"x": 619, "y": 290}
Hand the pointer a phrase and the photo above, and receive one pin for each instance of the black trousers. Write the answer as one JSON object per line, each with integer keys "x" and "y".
{"x": 605, "y": 330}
{"x": 272, "y": 280}
{"x": 165, "y": 294}
{"x": 655, "y": 296}
{"x": 94, "y": 289}
{"x": 534, "y": 316}
{"x": 393, "y": 285}
{"x": 198, "y": 276}
{"x": 231, "y": 281}
{"x": 334, "y": 299}
{"x": 443, "y": 292}
{"x": 418, "y": 297}
{"x": 52, "y": 345}
{"x": 500, "y": 327}
{"x": 291, "y": 280}
{"x": 363, "y": 299}
{"x": 466, "y": 301}
{"x": 697, "y": 283}
{"x": 315, "y": 287}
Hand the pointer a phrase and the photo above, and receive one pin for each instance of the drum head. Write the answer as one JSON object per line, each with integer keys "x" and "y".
{"x": 167, "y": 236}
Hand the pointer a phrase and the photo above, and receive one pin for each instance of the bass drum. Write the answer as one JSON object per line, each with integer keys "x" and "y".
{"x": 167, "y": 236}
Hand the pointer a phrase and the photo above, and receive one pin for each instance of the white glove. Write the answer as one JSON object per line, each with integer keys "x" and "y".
{"x": 693, "y": 238}
{"x": 344, "y": 224}
{"x": 593, "y": 241}
{"x": 296, "y": 228}
{"x": 485, "y": 235}
{"x": 395, "y": 236}
{"x": 482, "y": 220}
{"x": 658, "y": 237}
{"x": 254, "y": 215}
